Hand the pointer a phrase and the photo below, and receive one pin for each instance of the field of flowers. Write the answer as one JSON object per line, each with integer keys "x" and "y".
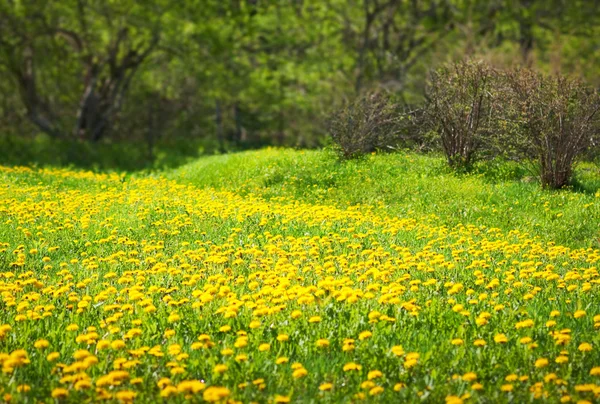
{"x": 143, "y": 289}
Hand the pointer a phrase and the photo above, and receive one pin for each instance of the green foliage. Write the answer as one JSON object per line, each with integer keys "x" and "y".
{"x": 246, "y": 74}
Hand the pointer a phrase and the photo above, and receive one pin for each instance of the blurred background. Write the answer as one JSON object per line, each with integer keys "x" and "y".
{"x": 133, "y": 84}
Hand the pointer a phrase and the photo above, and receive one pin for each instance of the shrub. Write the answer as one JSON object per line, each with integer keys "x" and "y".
{"x": 461, "y": 107}
{"x": 370, "y": 122}
{"x": 550, "y": 120}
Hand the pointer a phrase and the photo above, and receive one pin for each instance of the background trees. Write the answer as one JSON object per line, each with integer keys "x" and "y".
{"x": 220, "y": 75}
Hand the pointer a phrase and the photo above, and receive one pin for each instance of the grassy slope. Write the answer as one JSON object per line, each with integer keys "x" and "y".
{"x": 183, "y": 229}
{"x": 496, "y": 195}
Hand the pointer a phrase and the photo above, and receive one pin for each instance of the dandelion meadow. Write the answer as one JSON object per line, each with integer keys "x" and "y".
{"x": 141, "y": 288}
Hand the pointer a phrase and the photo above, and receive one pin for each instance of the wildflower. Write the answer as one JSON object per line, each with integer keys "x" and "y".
{"x": 60, "y": 393}
{"x": 366, "y": 385}
{"x": 540, "y": 363}
{"x": 397, "y": 350}
{"x": 213, "y": 394}
{"x": 364, "y": 335}
{"x": 561, "y": 359}
{"x": 352, "y": 366}
{"x": 102, "y": 344}
{"x": 52, "y": 356}
{"x": 117, "y": 344}
{"x": 399, "y": 386}
{"x": 164, "y": 382}
{"x": 374, "y": 374}
{"x": 524, "y": 324}
{"x": 168, "y": 391}
{"x": 41, "y": 344}
{"x": 220, "y": 368}
{"x": 500, "y": 339}
{"x": 376, "y": 391}
{"x": 298, "y": 373}
{"x": 325, "y": 386}
{"x": 190, "y": 386}
{"x": 469, "y": 377}
{"x": 126, "y": 395}
{"x": 453, "y": 400}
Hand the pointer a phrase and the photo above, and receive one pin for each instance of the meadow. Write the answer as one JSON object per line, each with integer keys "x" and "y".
{"x": 288, "y": 276}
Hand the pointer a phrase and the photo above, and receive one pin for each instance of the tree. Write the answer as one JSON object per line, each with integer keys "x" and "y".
{"x": 90, "y": 49}
{"x": 388, "y": 37}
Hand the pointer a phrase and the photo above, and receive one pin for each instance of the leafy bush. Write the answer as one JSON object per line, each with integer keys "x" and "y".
{"x": 370, "y": 122}
{"x": 550, "y": 120}
{"x": 461, "y": 108}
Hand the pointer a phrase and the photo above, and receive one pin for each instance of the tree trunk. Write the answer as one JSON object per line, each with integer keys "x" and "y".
{"x": 219, "y": 125}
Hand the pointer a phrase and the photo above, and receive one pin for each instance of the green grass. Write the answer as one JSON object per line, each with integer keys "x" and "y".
{"x": 109, "y": 273}
{"x": 498, "y": 194}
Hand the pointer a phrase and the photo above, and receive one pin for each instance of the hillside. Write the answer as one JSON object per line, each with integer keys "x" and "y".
{"x": 285, "y": 276}
{"x": 498, "y": 194}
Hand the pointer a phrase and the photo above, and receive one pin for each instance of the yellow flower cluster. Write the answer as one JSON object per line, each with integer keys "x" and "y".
{"x": 143, "y": 289}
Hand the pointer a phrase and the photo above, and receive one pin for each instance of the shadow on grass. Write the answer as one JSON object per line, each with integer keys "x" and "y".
{"x": 42, "y": 151}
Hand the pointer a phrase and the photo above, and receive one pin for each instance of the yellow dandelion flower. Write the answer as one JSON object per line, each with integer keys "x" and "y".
{"x": 41, "y": 344}
{"x": 326, "y": 387}
{"x": 469, "y": 377}
{"x": 220, "y": 368}
{"x": 500, "y": 339}
{"x": 374, "y": 374}
{"x": 60, "y": 393}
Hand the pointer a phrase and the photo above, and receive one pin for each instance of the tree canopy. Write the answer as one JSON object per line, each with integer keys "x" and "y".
{"x": 242, "y": 73}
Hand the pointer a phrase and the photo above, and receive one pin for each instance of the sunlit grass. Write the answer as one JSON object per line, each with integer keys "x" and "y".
{"x": 295, "y": 278}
